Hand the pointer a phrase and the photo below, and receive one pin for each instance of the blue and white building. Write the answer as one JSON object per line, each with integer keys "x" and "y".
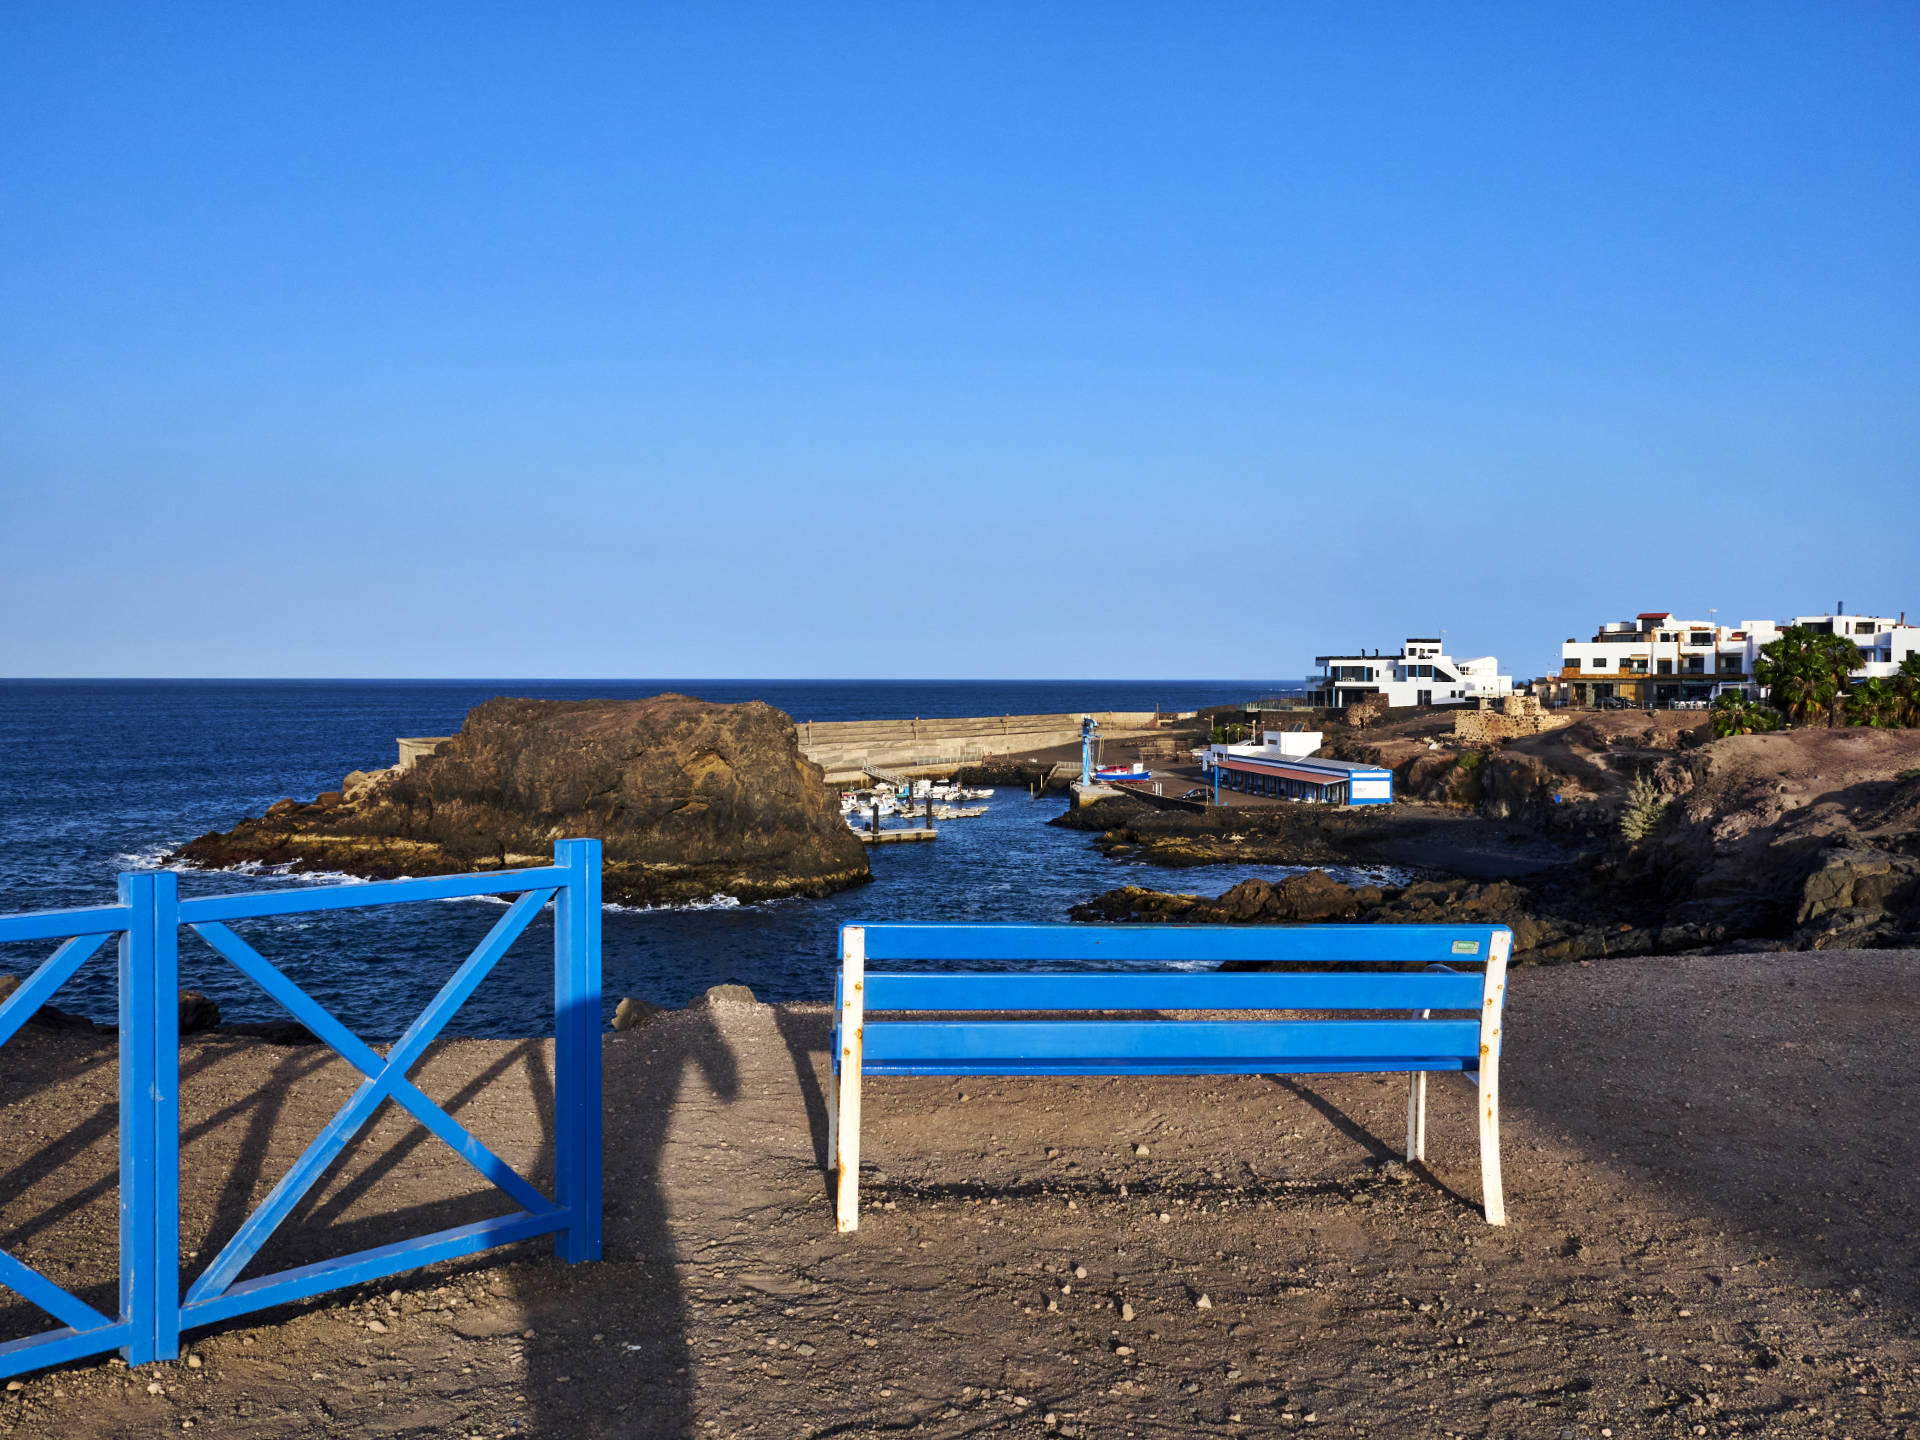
{"x": 1284, "y": 766}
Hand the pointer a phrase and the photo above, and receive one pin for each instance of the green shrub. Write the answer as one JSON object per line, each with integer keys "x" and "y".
{"x": 1645, "y": 806}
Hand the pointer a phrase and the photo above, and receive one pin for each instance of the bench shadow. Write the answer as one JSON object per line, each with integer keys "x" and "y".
{"x": 1377, "y": 1149}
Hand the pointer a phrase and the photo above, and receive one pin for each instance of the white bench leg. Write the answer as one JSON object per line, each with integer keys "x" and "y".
{"x": 1492, "y": 1198}
{"x": 1417, "y": 1116}
{"x": 846, "y": 1109}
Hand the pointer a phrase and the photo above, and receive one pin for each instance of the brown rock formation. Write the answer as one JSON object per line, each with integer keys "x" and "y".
{"x": 688, "y": 798}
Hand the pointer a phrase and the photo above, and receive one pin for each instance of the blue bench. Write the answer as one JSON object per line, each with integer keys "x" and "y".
{"x": 1037, "y": 1021}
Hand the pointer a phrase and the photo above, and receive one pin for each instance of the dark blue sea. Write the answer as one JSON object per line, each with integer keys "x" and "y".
{"x": 100, "y": 777}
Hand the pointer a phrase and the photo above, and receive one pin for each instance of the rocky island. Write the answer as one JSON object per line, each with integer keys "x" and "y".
{"x": 689, "y": 799}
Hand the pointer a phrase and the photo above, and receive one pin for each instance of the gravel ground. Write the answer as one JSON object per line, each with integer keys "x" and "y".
{"x": 1710, "y": 1168}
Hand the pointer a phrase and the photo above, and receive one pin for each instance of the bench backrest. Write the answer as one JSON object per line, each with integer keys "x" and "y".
{"x": 1446, "y": 968}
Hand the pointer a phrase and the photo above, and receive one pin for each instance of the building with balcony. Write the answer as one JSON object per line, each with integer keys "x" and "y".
{"x": 1421, "y": 674}
{"x": 1658, "y": 659}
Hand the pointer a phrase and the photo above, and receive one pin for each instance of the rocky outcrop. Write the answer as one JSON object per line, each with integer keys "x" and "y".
{"x": 1540, "y": 936}
{"x": 689, "y": 800}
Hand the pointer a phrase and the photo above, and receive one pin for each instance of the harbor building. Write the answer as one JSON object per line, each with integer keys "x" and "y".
{"x": 1282, "y": 764}
{"x": 1421, "y": 674}
{"x": 1658, "y": 659}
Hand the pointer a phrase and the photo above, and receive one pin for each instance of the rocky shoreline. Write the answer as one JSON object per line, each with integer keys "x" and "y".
{"x": 689, "y": 800}
{"x": 1590, "y": 843}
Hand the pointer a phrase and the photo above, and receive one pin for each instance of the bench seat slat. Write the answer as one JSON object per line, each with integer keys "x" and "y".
{"x": 1171, "y": 944}
{"x": 927, "y": 1042}
{"x": 1275, "y": 990}
{"x": 1287, "y": 1066}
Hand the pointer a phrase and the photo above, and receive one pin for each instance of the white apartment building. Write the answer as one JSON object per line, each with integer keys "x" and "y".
{"x": 1421, "y": 674}
{"x": 1659, "y": 659}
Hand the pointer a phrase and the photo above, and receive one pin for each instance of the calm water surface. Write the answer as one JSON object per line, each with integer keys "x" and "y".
{"x": 98, "y": 777}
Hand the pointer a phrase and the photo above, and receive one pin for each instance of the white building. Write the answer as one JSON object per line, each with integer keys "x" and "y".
{"x": 1283, "y": 765}
{"x": 1659, "y": 659}
{"x": 1421, "y": 674}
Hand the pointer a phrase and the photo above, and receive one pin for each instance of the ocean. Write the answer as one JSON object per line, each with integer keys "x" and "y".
{"x": 103, "y": 776}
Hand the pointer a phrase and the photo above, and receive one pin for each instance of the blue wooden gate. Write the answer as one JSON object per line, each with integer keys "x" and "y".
{"x": 147, "y": 923}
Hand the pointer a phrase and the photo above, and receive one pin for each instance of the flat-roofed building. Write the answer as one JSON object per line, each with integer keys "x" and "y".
{"x": 1658, "y": 659}
{"x": 1276, "y": 767}
{"x": 1421, "y": 674}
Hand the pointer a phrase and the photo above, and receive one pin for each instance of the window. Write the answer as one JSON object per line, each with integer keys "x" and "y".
{"x": 1669, "y": 636}
{"x": 1663, "y": 667}
{"x": 1598, "y": 662}
{"x": 1696, "y": 664}
{"x": 1700, "y": 637}
{"x": 1863, "y": 627}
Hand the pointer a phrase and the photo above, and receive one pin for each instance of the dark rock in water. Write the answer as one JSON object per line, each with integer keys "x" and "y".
{"x": 631, "y": 1013}
{"x": 197, "y": 1012}
{"x": 689, "y": 800}
{"x": 47, "y": 1017}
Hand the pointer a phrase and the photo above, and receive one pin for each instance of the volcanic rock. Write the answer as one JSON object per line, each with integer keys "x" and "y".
{"x": 689, "y": 800}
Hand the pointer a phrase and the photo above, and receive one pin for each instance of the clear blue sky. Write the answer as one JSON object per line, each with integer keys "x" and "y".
{"x": 968, "y": 340}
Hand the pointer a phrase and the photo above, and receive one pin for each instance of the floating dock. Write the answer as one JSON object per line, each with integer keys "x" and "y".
{"x": 896, "y": 837}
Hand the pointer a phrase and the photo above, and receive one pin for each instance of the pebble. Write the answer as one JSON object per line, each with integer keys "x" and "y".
{"x": 1205, "y": 1302}
{"x": 1165, "y": 1218}
{"x": 16, "y": 1384}
{"x": 193, "y": 1362}
{"x": 379, "y": 1327}
{"x": 1079, "y": 1272}
{"x": 154, "y": 1388}
{"x": 1140, "y": 1152}
{"x": 1126, "y": 1311}
{"x": 1123, "y": 1349}
{"x": 803, "y": 1349}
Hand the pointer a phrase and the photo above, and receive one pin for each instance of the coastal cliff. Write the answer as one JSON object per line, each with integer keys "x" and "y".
{"x": 689, "y": 800}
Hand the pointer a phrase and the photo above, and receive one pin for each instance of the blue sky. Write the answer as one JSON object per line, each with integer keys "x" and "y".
{"x": 901, "y": 339}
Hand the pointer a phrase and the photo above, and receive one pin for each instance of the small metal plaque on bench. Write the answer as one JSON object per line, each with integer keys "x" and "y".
{"x": 1466, "y": 947}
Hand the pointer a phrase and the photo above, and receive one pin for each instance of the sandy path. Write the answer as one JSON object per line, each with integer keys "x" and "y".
{"x": 1710, "y": 1167}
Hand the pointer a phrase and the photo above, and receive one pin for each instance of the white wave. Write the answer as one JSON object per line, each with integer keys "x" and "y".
{"x": 152, "y": 857}
{"x": 712, "y": 902}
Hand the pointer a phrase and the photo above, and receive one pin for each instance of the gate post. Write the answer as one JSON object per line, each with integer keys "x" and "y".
{"x": 576, "y": 1048}
{"x": 150, "y": 1116}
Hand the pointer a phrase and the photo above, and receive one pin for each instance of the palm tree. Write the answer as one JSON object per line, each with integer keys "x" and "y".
{"x": 1873, "y": 702}
{"x": 1806, "y": 673}
{"x": 1735, "y": 714}
{"x": 1906, "y": 691}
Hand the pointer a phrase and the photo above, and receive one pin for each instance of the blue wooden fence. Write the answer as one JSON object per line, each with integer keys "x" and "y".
{"x": 147, "y": 923}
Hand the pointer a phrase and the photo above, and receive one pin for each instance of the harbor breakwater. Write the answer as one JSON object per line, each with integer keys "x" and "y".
{"x": 848, "y": 750}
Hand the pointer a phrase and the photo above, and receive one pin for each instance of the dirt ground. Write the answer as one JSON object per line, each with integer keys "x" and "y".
{"x": 1710, "y": 1166}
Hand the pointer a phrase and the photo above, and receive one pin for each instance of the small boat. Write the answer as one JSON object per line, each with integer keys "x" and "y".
{"x": 1110, "y": 773}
